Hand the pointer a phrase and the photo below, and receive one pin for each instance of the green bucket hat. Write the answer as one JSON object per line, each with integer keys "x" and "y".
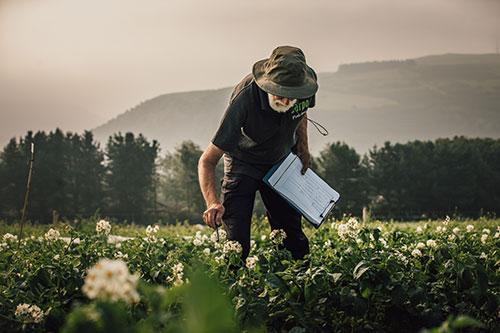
{"x": 286, "y": 74}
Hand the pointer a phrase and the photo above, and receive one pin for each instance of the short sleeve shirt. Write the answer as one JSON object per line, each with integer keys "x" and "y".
{"x": 252, "y": 135}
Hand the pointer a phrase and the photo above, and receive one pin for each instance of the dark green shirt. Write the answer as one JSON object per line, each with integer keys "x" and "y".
{"x": 254, "y": 136}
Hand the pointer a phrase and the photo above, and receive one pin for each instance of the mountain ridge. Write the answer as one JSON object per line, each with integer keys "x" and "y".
{"x": 363, "y": 104}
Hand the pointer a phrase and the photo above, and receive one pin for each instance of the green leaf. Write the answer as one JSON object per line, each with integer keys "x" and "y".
{"x": 360, "y": 269}
{"x": 465, "y": 321}
{"x": 336, "y": 277}
{"x": 366, "y": 292}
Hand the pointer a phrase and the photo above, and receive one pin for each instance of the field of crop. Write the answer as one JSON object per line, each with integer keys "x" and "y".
{"x": 375, "y": 277}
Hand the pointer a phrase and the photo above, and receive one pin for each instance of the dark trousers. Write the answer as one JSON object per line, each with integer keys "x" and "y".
{"x": 238, "y": 196}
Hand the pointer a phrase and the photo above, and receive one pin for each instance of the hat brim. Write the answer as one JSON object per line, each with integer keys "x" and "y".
{"x": 306, "y": 90}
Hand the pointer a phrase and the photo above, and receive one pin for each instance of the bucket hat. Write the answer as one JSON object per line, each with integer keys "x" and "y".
{"x": 286, "y": 74}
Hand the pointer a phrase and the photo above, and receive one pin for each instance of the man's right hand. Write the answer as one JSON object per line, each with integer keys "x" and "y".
{"x": 213, "y": 214}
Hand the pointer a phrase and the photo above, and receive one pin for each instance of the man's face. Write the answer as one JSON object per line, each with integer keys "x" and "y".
{"x": 280, "y": 104}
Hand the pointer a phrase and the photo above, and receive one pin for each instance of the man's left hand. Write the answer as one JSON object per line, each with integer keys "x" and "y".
{"x": 305, "y": 158}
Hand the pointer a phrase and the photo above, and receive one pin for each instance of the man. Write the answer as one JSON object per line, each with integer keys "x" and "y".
{"x": 264, "y": 122}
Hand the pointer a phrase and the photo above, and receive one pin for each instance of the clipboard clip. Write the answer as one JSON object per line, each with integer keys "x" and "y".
{"x": 328, "y": 209}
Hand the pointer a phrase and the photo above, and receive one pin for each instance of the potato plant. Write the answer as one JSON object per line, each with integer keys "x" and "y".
{"x": 375, "y": 277}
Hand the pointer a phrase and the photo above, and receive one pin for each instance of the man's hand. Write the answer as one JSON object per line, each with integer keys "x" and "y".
{"x": 305, "y": 158}
{"x": 213, "y": 214}
{"x": 206, "y": 175}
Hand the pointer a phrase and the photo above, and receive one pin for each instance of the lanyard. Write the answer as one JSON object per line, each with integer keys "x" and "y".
{"x": 321, "y": 129}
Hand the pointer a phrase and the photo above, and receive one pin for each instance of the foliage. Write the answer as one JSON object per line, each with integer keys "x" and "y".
{"x": 415, "y": 180}
{"x": 382, "y": 277}
{"x": 448, "y": 176}
{"x": 339, "y": 165}
{"x": 130, "y": 175}
{"x": 179, "y": 183}
{"x": 67, "y": 175}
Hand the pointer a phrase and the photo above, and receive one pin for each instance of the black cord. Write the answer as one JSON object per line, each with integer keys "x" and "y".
{"x": 323, "y": 131}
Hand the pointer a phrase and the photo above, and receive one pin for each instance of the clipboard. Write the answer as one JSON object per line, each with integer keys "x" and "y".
{"x": 308, "y": 194}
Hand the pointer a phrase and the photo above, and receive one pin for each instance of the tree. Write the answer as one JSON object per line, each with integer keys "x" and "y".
{"x": 84, "y": 179}
{"x": 130, "y": 176}
{"x": 339, "y": 165}
{"x": 433, "y": 179}
{"x": 13, "y": 174}
{"x": 180, "y": 186}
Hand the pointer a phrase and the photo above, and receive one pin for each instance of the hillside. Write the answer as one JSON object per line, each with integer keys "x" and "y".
{"x": 362, "y": 104}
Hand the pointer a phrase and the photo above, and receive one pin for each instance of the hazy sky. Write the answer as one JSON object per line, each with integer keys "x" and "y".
{"x": 77, "y": 63}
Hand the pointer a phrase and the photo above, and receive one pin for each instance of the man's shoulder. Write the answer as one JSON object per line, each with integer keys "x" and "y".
{"x": 244, "y": 88}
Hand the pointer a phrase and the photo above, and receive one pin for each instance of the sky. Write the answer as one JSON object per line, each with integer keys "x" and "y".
{"x": 75, "y": 64}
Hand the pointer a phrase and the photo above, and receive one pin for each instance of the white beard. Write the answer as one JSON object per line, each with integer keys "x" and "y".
{"x": 277, "y": 106}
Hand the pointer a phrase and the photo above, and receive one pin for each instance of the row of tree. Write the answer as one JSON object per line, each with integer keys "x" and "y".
{"x": 74, "y": 178}
{"x": 418, "y": 179}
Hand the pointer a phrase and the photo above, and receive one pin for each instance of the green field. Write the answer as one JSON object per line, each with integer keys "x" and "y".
{"x": 373, "y": 277}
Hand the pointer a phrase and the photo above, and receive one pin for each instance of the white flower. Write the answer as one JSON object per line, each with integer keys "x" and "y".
{"x": 456, "y": 230}
{"x": 219, "y": 259}
{"x": 328, "y": 243}
{"x": 420, "y": 246}
{"x": 29, "y": 313}
{"x": 431, "y": 243}
{"x": 497, "y": 234}
{"x": 348, "y": 230}
{"x": 401, "y": 257}
{"x": 111, "y": 280}
{"x": 120, "y": 255}
{"x": 151, "y": 232}
{"x": 9, "y": 237}
{"x": 416, "y": 253}
{"x": 232, "y": 247}
{"x": 103, "y": 227}
{"x": 446, "y": 220}
{"x": 263, "y": 237}
{"x": 484, "y": 238}
{"x": 452, "y": 237}
{"x": 52, "y": 235}
{"x": 486, "y": 231}
{"x": 198, "y": 239}
{"x": 177, "y": 274}
{"x": 483, "y": 256}
{"x": 206, "y": 251}
{"x": 469, "y": 228}
{"x": 222, "y": 236}
{"x": 251, "y": 262}
{"x": 178, "y": 268}
{"x": 57, "y": 257}
{"x": 420, "y": 230}
{"x": 277, "y": 236}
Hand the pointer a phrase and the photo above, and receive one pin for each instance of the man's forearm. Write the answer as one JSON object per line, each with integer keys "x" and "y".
{"x": 302, "y": 141}
{"x": 206, "y": 175}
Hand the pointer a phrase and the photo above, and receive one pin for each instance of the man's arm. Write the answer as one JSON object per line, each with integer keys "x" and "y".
{"x": 303, "y": 145}
{"x": 206, "y": 174}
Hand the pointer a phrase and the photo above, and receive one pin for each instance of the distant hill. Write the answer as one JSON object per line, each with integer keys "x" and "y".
{"x": 362, "y": 104}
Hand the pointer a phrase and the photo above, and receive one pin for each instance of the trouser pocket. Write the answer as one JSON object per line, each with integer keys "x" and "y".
{"x": 238, "y": 195}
